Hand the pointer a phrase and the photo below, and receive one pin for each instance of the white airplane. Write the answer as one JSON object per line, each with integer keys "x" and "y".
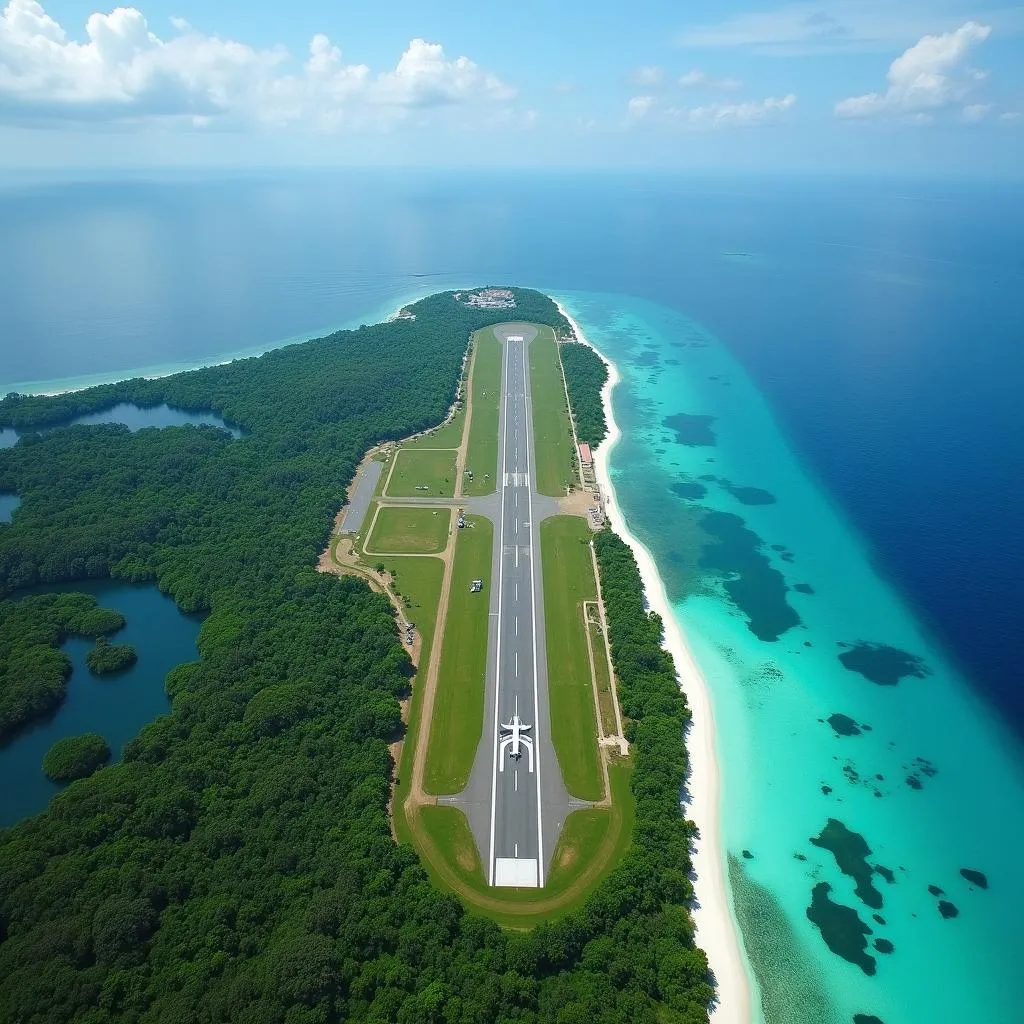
{"x": 514, "y": 740}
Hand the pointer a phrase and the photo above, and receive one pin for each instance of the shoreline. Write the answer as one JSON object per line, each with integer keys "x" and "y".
{"x": 717, "y": 931}
{"x": 64, "y": 385}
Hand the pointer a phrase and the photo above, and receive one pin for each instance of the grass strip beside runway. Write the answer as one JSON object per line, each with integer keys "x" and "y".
{"x": 448, "y": 435}
{"x": 592, "y": 843}
{"x": 422, "y": 474}
{"x": 450, "y": 833}
{"x": 482, "y": 450}
{"x": 568, "y": 582}
{"x": 413, "y": 531}
{"x": 458, "y": 718}
{"x": 417, "y": 582}
{"x": 552, "y": 432}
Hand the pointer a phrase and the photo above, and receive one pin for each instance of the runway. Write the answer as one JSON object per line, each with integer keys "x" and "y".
{"x": 516, "y": 805}
{"x": 517, "y": 827}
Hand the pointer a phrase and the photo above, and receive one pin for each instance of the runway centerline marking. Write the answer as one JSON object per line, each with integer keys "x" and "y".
{"x": 514, "y": 481}
{"x": 497, "y": 687}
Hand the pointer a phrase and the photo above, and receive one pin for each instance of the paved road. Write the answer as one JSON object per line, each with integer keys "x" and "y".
{"x": 362, "y": 495}
{"x": 516, "y": 807}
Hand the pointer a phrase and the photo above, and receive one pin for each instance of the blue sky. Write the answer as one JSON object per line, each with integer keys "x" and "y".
{"x": 901, "y": 86}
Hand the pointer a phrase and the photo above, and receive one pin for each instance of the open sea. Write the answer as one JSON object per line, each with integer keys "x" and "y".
{"x": 823, "y": 448}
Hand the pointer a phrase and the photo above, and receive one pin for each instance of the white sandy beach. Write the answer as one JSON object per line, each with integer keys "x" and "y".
{"x": 717, "y": 931}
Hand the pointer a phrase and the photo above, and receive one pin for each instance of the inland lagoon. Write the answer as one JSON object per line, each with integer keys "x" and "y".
{"x": 114, "y": 706}
{"x": 135, "y": 417}
{"x": 8, "y": 503}
{"x": 870, "y": 798}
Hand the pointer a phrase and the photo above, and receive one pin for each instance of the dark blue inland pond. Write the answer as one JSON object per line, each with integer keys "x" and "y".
{"x": 8, "y": 503}
{"x": 116, "y": 706}
{"x": 134, "y": 417}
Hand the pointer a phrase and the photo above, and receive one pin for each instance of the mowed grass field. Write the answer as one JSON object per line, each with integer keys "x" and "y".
{"x": 568, "y": 582}
{"x": 410, "y": 531}
{"x": 449, "y": 831}
{"x": 597, "y": 829}
{"x": 552, "y": 431}
{"x": 482, "y": 450}
{"x": 459, "y": 703}
{"x": 591, "y": 844}
{"x": 417, "y": 581}
{"x": 447, "y": 436}
{"x": 421, "y": 473}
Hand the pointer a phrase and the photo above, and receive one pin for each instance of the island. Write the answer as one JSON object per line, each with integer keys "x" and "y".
{"x": 106, "y": 658}
{"x": 292, "y": 809}
{"x": 33, "y": 669}
{"x": 76, "y": 757}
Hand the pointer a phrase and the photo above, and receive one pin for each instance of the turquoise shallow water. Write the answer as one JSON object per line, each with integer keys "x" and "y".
{"x": 771, "y": 586}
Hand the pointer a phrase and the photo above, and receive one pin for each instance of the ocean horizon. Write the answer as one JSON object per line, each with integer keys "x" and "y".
{"x": 821, "y": 448}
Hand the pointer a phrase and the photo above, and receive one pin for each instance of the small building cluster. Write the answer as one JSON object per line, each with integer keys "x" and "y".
{"x": 410, "y": 632}
{"x": 488, "y": 298}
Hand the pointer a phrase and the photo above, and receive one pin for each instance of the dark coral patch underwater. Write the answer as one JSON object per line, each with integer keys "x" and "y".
{"x": 851, "y": 852}
{"x": 882, "y": 664}
{"x": 755, "y": 586}
{"x": 691, "y": 430}
{"x": 977, "y": 878}
{"x": 843, "y": 725}
{"x": 688, "y": 489}
{"x": 841, "y": 928}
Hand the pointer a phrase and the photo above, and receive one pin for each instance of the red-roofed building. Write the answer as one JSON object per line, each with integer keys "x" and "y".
{"x": 586, "y": 459}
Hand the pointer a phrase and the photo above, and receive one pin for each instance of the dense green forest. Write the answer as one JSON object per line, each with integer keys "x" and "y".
{"x": 237, "y": 864}
{"x": 106, "y": 657}
{"x": 75, "y": 757}
{"x": 585, "y": 375}
{"x": 33, "y": 670}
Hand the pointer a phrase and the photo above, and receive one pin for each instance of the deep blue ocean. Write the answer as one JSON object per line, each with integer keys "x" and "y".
{"x": 883, "y": 319}
{"x": 875, "y": 331}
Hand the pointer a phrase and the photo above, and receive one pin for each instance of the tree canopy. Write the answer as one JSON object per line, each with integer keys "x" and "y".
{"x": 585, "y": 375}
{"x": 237, "y": 865}
{"x": 76, "y": 757}
{"x": 106, "y": 657}
{"x": 33, "y": 669}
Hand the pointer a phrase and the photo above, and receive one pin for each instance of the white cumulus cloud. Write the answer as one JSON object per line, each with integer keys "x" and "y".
{"x": 723, "y": 115}
{"x": 711, "y": 115}
{"x": 647, "y": 76}
{"x": 925, "y": 78}
{"x": 122, "y": 71}
{"x": 639, "y": 106}
{"x": 697, "y": 79}
{"x": 974, "y": 112}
